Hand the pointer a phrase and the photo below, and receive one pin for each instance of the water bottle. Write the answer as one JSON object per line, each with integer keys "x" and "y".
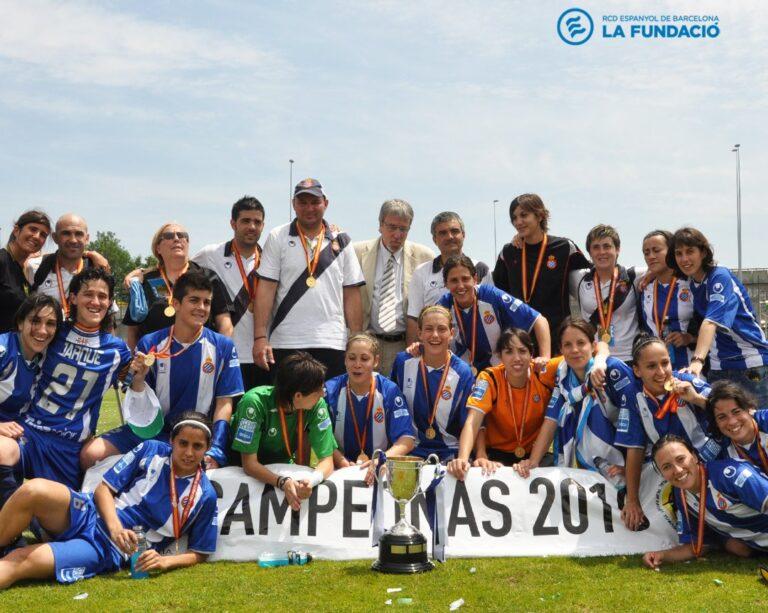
{"x": 293, "y": 557}
{"x": 141, "y": 547}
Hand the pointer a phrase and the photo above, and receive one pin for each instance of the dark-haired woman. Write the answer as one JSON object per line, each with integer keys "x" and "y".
{"x": 271, "y": 421}
{"x": 723, "y": 502}
{"x": 37, "y": 321}
{"x": 582, "y": 421}
{"x": 535, "y": 265}
{"x": 29, "y": 233}
{"x": 158, "y": 486}
{"x": 666, "y": 303}
{"x": 480, "y": 313}
{"x": 732, "y": 413}
{"x": 730, "y": 333}
{"x": 509, "y": 400}
{"x": 82, "y": 361}
{"x": 665, "y": 402}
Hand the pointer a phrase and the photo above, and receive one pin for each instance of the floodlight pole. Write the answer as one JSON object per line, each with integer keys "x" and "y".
{"x": 290, "y": 190}
{"x": 737, "y": 149}
{"x": 495, "y": 250}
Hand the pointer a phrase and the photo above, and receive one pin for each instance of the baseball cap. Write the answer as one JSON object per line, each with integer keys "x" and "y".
{"x": 309, "y": 186}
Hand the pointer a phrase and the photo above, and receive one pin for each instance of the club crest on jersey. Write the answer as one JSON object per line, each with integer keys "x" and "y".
{"x": 250, "y": 411}
{"x": 398, "y": 401}
{"x": 536, "y": 398}
{"x": 378, "y": 416}
{"x": 729, "y": 471}
{"x": 551, "y": 262}
{"x": 717, "y": 288}
{"x": 721, "y": 502}
{"x": 447, "y": 394}
{"x": 433, "y": 283}
{"x": 488, "y": 317}
{"x": 227, "y": 264}
{"x": 185, "y": 501}
{"x": 684, "y": 295}
{"x": 272, "y": 431}
{"x": 291, "y": 243}
{"x": 615, "y": 374}
{"x": 208, "y": 366}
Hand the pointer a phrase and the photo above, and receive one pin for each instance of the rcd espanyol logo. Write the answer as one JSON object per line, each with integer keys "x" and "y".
{"x": 575, "y": 27}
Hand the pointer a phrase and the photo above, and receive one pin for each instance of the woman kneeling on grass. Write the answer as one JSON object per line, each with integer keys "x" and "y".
{"x": 732, "y": 414}
{"x": 271, "y": 422}
{"x": 157, "y": 486}
{"x": 367, "y": 409}
{"x": 734, "y": 496}
{"x": 512, "y": 399}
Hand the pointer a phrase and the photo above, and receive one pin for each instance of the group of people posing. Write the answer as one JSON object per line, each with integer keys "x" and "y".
{"x": 317, "y": 350}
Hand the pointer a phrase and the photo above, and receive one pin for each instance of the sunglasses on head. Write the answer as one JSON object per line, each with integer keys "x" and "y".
{"x": 169, "y": 236}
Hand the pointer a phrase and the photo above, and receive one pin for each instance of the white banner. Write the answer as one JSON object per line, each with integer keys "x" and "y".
{"x": 557, "y": 511}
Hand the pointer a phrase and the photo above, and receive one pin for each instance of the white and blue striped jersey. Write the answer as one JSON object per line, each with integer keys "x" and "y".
{"x": 390, "y": 416}
{"x": 452, "y": 406}
{"x": 739, "y": 341}
{"x": 679, "y": 316}
{"x": 586, "y": 421}
{"x": 496, "y": 311}
{"x": 141, "y": 479}
{"x": 17, "y": 377}
{"x": 639, "y": 427}
{"x": 761, "y": 417}
{"x": 78, "y": 368}
{"x": 194, "y": 379}
{"x": 736, "y": 504}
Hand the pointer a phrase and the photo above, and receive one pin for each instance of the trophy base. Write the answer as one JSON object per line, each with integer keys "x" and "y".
{"x": 401, "y": 554}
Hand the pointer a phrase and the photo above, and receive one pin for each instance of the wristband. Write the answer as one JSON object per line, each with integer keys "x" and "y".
{"x": 316, "y": 478}
{"x": 698, "y": 359}
{"x": 256, "y": 338}
{"x": 219, "y": 442}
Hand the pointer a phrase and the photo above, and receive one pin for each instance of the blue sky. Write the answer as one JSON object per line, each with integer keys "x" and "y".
{"x": 135, "y": 113}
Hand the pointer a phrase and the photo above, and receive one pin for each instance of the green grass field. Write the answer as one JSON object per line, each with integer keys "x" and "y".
{"x": 510, "y": 584}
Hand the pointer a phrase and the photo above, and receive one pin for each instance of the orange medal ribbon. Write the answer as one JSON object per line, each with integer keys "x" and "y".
{"x": 698, "y": 544}
{"x": 168, "y": 286}
{"x": 311, "y": 263}
{"x": 669, "y": 406}
{"x": 165, "y": 352}
{"x": 286, "y": 442}
{"x": 371, "y": 396}
{"x": 528, "y": 293}
{"x": 62, "y": 294}
{"x": 425, "y": 384}
{"x": 248, "y": 286}
{"x": 519, "y": 431}
{"x": 178, "y": 523}
{"x": 660, "y": 321}
{"x": 605, "y": 315}
{"x": 462, "y": 332}
{"x": 761, "y": 453}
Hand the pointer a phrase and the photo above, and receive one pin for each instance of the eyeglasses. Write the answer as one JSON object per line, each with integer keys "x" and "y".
{"x": 169, "y": 236}
{"x": 394, "y": 228}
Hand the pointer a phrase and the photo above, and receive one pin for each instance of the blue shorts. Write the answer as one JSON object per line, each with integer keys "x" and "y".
{"x": 83, "y": 550}
{"x": 124, "y": 439}
{"x": 51, "y": 457}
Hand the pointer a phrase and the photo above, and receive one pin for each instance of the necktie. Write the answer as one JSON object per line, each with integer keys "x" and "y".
{"x": 387, "y": 315}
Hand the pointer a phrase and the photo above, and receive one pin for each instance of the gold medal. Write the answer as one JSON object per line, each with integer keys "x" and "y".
{"x": 606, "y": 337}
{"x": 669, "y": 385}
{"x": 149, "y": 359}
{"x": 474, "y": 371}
{"x": 362, "y": 458}
{"x": 169, "y": 311}
{"x": 430, "y": 433}
{"x": 520, "y": 451}
{"x": 311, "y": 281}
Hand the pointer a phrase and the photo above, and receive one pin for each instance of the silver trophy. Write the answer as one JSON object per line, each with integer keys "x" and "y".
{"x": 402, "y": 548}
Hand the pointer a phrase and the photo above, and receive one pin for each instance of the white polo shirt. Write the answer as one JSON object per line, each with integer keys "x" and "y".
{"x": 221, "y": 260}
{"x": 427, "y": 285}
{"x": 302, "y": 316}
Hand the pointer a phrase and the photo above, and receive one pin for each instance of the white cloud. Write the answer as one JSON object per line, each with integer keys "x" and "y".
{"x": 86, "y": 44}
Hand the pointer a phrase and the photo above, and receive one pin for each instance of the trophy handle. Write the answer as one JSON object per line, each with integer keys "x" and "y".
{"x": 432, "y": 458}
